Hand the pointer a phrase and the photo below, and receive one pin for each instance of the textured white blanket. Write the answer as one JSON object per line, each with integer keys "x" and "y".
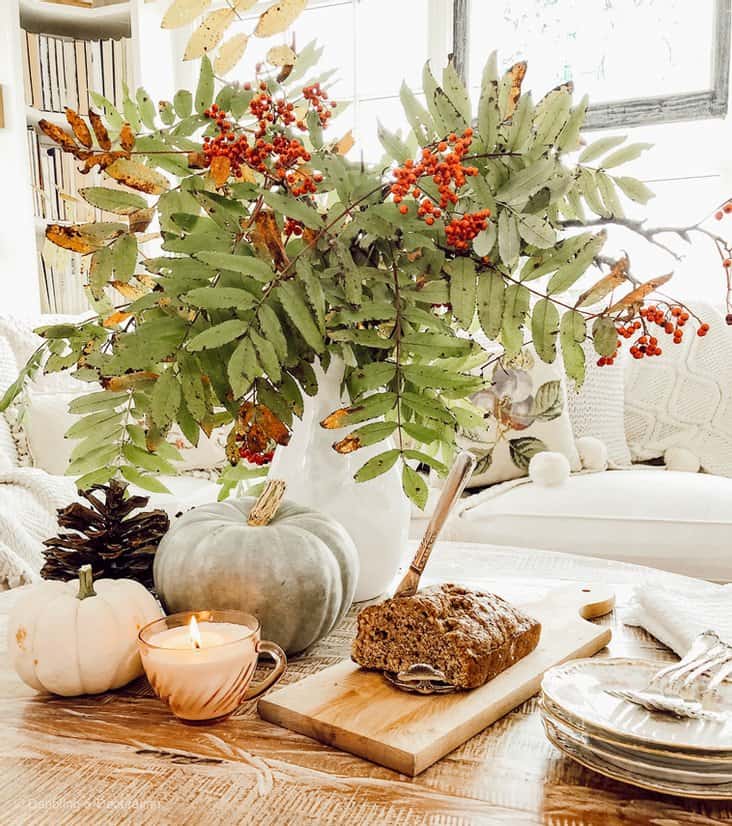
{"x": 29, "y": 499}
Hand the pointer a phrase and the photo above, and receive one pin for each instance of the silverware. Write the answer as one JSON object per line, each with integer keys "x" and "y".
{"x": 458, "y": 477}
{"x": 421, "y": 678}
{"x": 689, "y": 687}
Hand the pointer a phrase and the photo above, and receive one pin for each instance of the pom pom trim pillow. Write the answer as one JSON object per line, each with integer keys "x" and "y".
{"x": 525, "y": 413}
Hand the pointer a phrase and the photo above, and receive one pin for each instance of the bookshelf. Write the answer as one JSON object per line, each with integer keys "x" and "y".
{"x": 153, "y": 55}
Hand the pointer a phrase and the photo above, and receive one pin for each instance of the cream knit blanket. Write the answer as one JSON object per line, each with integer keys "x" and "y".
{"x": 29, "y": 498}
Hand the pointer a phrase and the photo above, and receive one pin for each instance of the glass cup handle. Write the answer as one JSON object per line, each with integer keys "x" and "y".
{"x": 278, "y": 655}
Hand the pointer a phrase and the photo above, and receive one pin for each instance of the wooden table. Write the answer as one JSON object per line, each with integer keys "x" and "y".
{"x": 122, "y": 758}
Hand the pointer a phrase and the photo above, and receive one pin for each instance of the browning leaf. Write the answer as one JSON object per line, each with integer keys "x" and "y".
{"x": 129, "y": 291}
{"x": 347, "y": 445}
{"x": 71, "y": 238}
{"x": 284, "y": 73}
{"x": 101, "y": 159}
{"x": 256, "y": 429}
{"x": 138, "y": 176}
{"x": 220, "y": 170}
{"x": 59, "y": 136}
{"x": 517, "y": 73}
{"x": 127, "y": 137}
{"x": 117, "y": 383}
{"x": 100, "y": 130}
{"x": 197, "y": 160}
{"x": 181, "y": 12}
{"x": 81, "y": 130}
{"x": 116, "y": 318}
{"x": 617, "y": 276}
{"x": 636, "y": 296}
{"x": 345, "y": 144}
{"x": 209, "y": 34}
{"x": 267, "y": 239}
{"x": 230, "y": 53}
{"x": 336, "y": 419}
{"x": 279, "y": 17}
{"x": 140, "y": 219}
{"x": 281, "y": 55}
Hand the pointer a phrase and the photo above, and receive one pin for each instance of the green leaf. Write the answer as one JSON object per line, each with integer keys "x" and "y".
{"x": 428, "y": 407}
{"x": 521, "y": 123}
{"x": 218, "y": 335}
{"x": 90, "y": 422}
{"x": 92, "y": 461}
{"x": 488, "y": 115}
{"x": 544, "y": 329}
{"x": 572, "y": 333}
{"x": 456, "y": 92}
{"x": 293, "y": 208}
{"x": 600, "y": 147}
{"x": 371, "y": 434}
{"x": 313, "y": 290}
{"x": 568, "y": 273}
{"x": 93, "y": 402}
{"x": 205, "y": 88}
{"x": 165, "y": 400}
{"x": 418, "y": 117}
{"x": 548, "y": 402}
{"x": 635, "y": 190}
{"x": 463, "y": 289}
{"x": 491, "y": 301}
{"x": 435, "y": 345}
{"x": 609, "y": 195}
{"x": 429, "y": 86}
{"x": 514, "y": 315}
{"x": 147, "y": 461}
{"x": 293, "y": 302}
{"x": 604, "y": 336}
{"x": 117, "y": 201}
{"x": 376, "y": 466}
{"x": 272, "y": 329}
{"x": 111, "y": 113}
{"x": 429, "y": 375}
{"x": 536, "y": 231}
{"x": 521, "y": 186}
{"x": 426, "y": 459}
{"x": 369, "y": 408}
{"x": 188, "y": 425}
{"x": 124, "y": 257}
{"x": 420, "y": 433}
{"x": 393, "y": 145}
{"x": 415, "y": 486}
{"x": 370, "y": 376}
{"x": 183, "y": 102}
{"x": 146, "y": 108}
{"x": 100, "y": 270}
{"x": 144, "y": 481}
{"x": 351, "y": 273}
{"x": 552, "y": 114}
{"x": 219, "y": 298}
{"x": 523, "y": 449}
{"x": 509, "y": 242}
{"x": 96, "y": 477}
{"x": 245, "y": 264}
{"x": 130, "y": 111}
{"x": 569, "y": 137}
{"x": 267, "y": 356}
{"x": 625, "y": 155}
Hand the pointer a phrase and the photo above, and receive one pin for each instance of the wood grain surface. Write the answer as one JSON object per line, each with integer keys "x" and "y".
{"x": 121, "y": 758}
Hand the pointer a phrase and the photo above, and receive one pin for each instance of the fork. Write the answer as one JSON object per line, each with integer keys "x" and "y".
{"x": 687, "y": 688}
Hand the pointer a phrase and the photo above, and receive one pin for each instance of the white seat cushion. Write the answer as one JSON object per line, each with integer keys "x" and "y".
{"x": 679, "y": 522}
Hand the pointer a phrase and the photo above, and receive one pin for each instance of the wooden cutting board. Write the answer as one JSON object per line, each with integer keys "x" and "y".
{"x": 360, "y": 712}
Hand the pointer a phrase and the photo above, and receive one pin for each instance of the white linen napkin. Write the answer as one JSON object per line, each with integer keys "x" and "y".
{"x": 677, "y": 617}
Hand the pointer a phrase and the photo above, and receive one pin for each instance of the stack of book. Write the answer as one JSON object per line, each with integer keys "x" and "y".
{"x": 61, "y": 71}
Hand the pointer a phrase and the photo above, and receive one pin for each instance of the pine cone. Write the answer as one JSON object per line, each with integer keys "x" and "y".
{"x": 116, "y": 544}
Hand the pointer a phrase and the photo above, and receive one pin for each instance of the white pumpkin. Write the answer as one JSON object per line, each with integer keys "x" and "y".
{"x": 76, "y": 637}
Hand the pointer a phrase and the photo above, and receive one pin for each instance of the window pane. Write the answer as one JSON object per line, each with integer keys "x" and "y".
{"x": 611, "y": 50}
{"x": 390, "y": 113}
{"x": 391, "y": 45}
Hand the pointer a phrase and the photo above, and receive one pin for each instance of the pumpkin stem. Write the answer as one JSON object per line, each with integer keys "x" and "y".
{"x": 266, "y": 506}
{"x": 86, "y": 583}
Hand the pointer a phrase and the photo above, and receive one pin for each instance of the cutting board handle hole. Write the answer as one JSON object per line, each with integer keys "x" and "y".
{"x": 586, "y": 590}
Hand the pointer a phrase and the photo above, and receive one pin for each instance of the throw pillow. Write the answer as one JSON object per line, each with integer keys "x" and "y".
{"x": 597, "y": 408}
{"x": 525, "y": 413}
{"x": 685, "y": 398}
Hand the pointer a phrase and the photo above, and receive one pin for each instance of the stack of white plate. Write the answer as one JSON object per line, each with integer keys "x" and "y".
{"x": 691, "y": 758}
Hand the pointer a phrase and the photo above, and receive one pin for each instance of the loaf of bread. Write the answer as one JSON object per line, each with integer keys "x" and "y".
{"x": 468, "y": 635}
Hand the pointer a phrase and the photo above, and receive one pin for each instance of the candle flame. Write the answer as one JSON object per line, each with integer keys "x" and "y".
{"x": 194, "y": 633}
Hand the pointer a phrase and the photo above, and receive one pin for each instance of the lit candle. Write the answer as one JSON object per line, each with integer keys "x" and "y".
{"x": 201, "y": 665}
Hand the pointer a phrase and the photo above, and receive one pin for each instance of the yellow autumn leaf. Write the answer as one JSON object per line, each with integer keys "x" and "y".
{"x": 71, "y": 238}
{"x": 637, "y": 295}
{"x": 181, "y": 12}
{"x": 244, "y": 5}
{"x": 230, "y": 53}
{"x": 116, "y": 319}
{"x": 130, "y": 291}
{"x": 279, "y": 17}
{"x": 209, "y": 34}
{"x": 345, "y": 144}
{"x": 220, "y": 169}
{"x": 138, "y": 176}
{"x": 281, "y": 56}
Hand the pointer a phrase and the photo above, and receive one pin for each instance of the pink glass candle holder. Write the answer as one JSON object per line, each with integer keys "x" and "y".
{"x": 201, "y": 662}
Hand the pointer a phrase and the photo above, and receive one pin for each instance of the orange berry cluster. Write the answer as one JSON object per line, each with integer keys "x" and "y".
{"x": 256, "y": 458}
{"x": 293, "y": 227}
{"x": 317, "y": 98}
{"x": 725, "y": 210}
{"x": 672, "y": 322}
{"x": 444, "y": 164}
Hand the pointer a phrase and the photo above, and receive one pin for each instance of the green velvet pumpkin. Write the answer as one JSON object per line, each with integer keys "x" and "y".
{"x": 297, "y": 573}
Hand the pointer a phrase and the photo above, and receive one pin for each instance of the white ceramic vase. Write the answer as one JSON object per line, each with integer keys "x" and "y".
{"x": 375, "y": 513}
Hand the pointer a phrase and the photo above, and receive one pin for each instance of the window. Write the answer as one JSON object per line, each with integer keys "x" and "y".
{"x": 641, "y": 61}
{"x": 373, "y": 45}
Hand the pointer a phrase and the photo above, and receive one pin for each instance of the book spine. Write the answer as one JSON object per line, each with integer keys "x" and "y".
{"x": 108, "y": 69}
{"x": 35, "y": 70}
{"x": 27, "y": 72}
{"x": 83, "y": 92}
{"x": 72, "y": 91}
{"x": 45, "y": 73}
{"x": 53, "y": 81}
{"x": 118, "y": 73}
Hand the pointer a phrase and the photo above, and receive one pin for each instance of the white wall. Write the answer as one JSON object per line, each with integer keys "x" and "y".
{"x": 19, "y": 293}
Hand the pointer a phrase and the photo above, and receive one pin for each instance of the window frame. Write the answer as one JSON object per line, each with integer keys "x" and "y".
{"x": 709, "y": 103}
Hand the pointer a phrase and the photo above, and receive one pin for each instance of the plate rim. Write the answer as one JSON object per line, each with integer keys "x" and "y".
{"x": 594, "y": 662}
{"x": 630, "y": 779}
